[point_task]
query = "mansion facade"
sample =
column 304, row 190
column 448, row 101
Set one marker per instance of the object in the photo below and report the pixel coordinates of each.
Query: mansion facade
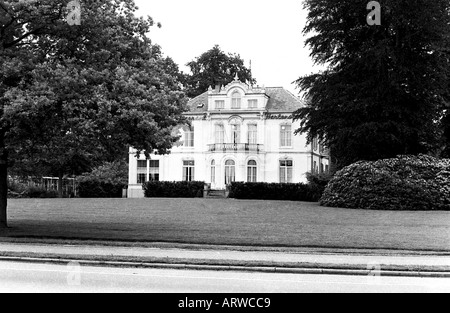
column 238, row 133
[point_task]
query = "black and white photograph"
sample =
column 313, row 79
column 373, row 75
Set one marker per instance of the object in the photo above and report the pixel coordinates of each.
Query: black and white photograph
column 224, row 155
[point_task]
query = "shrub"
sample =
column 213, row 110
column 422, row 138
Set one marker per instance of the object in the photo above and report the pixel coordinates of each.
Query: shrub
column 40, row 193
column 317, row 184
column 92, row 188
column 16, row 189
column 265, row 191
column 403, row 183
column 115, row 173
column 174, row 189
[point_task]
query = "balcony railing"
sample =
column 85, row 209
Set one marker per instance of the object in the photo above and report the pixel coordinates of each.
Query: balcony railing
column 235, row 147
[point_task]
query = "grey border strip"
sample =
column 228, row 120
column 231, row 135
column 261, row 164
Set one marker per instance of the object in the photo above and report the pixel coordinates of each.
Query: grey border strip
column 305, row 271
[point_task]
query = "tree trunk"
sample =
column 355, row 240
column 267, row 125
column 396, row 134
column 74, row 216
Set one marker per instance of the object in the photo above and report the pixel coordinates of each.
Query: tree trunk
column 60, row 185
column 3, row 182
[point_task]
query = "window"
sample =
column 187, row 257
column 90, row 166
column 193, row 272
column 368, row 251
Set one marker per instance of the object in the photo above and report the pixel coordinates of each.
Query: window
column 252, row 172
column 230, row 172
column 154, row 170
column 236, row 100
column 286, row 136
column 236, row 133
column 253, row 134
column 252, row 104
column 286, row 171
column 141, row 178
column 315, row 144
column 188, row 170
column 220, row 104
column 189, row 137
column 142, row 165
column 213, row 172
column 141, row 171
column 220, row 133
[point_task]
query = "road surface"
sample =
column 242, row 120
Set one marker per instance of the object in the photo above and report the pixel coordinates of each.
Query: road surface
column 43, row 278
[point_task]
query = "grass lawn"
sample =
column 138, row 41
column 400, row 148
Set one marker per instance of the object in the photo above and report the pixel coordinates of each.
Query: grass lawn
column 227, row 222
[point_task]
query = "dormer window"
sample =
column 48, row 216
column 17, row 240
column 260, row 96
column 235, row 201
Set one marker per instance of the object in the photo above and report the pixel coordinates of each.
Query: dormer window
column 236, row 100
column 220, row 104
column 252, row 104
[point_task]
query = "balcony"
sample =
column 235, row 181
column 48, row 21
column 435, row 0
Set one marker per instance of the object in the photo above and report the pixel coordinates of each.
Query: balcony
column 235, row 147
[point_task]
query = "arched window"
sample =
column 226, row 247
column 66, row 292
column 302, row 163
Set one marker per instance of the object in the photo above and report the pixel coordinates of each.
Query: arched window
column 252, row 172
column 213, row 172
column 236, row 100
column 230, row 172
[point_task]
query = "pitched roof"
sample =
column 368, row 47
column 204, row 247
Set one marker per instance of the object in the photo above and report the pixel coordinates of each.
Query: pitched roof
column 198, row 104
column 280, row 100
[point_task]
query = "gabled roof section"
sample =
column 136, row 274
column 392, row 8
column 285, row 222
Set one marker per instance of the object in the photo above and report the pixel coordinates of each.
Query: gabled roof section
column 198, row 104
column 282, row 100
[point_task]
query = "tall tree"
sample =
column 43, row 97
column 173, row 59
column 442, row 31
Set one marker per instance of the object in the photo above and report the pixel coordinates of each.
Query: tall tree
column 384, row 87
column 89, row 90
column 213, row 68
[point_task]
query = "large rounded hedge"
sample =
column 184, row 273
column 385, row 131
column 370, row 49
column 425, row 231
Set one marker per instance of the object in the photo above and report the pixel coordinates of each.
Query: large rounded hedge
column 404, row 183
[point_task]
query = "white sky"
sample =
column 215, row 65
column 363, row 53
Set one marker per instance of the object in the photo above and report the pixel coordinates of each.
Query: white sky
column 267, row 32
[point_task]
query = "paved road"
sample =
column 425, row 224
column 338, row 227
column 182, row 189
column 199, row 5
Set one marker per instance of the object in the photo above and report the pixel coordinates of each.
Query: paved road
column 24, row 277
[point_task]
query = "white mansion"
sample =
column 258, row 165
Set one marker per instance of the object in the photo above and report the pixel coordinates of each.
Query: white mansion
column 238, row 133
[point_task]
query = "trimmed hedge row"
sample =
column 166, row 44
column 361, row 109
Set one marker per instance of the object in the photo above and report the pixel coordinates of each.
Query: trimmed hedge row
column 99, row 189
column 403, row 183
column 174, row 189
column 264, row 191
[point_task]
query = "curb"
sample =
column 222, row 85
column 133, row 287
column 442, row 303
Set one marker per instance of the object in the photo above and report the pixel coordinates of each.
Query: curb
column 261, row 269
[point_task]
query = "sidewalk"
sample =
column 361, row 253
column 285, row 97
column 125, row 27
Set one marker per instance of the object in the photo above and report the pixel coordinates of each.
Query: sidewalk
column 314, row 261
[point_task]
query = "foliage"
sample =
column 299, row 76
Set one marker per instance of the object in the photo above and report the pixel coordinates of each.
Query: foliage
column 71, row 94
column 35, row 192
column 317, row 184
column 99, row 189
column 16, row 189
column 384, row 87
column 265, row 191
column 403, row 183
column 155, row 189
column 213, row 68
column 20, row 190
column 446, row 134
column 110, row 172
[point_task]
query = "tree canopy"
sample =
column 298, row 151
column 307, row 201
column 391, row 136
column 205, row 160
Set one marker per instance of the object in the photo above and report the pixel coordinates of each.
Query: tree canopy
column 384, row 89
column 86, row 92
column 213, row 68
